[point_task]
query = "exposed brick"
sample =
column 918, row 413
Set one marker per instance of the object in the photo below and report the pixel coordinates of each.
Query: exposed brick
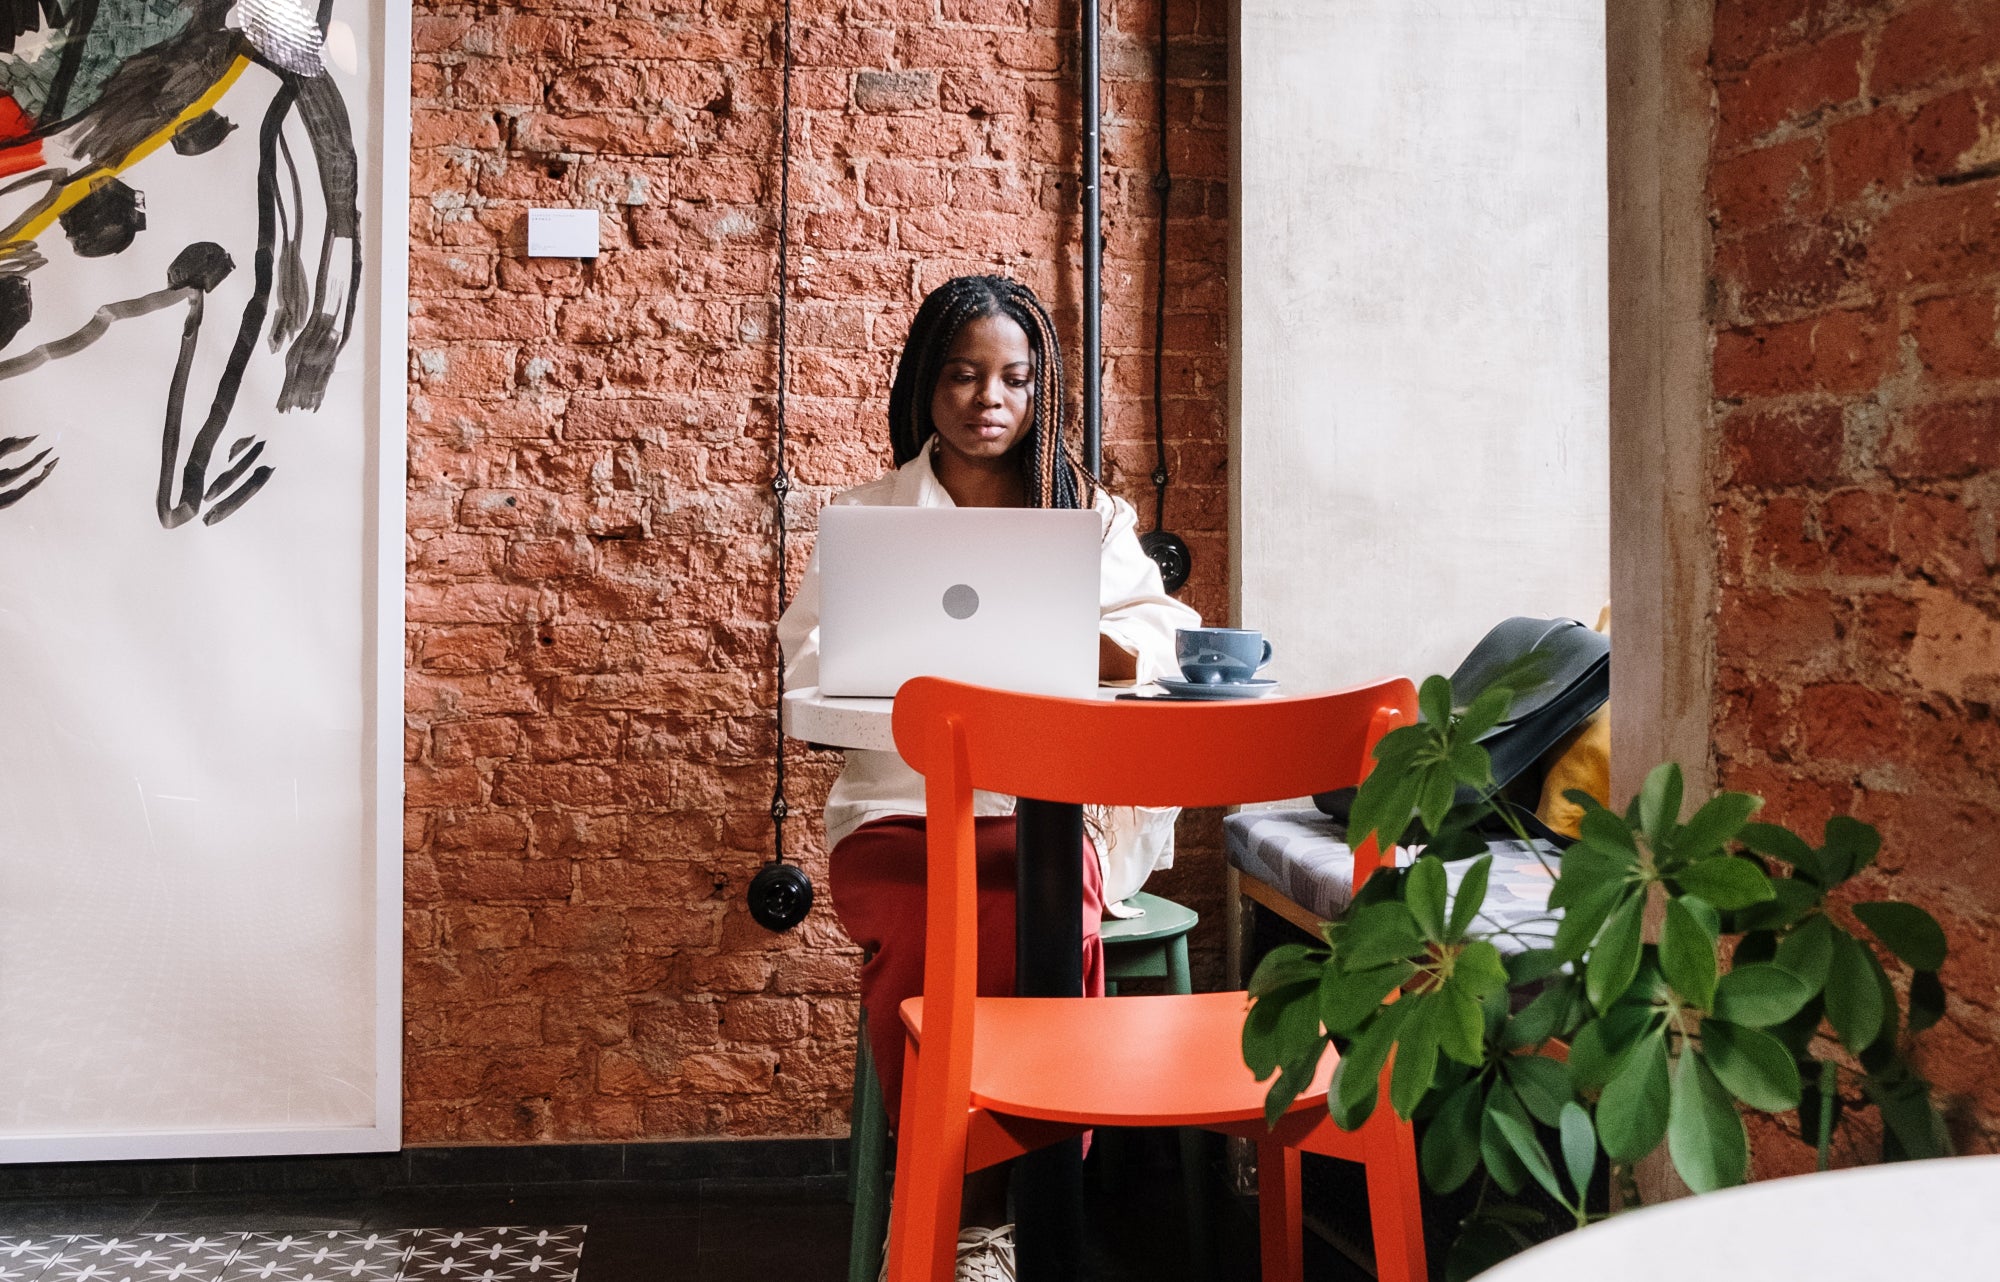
column 1750, row 190
column 1950, row 439
column 1956, row 336
column 1839, row 352
column 1947, row 133
column 1787, row 86
column 1782, row 447
column 1941, row 238
column 1925, row 43
column 1868, row 151
column 886, row 91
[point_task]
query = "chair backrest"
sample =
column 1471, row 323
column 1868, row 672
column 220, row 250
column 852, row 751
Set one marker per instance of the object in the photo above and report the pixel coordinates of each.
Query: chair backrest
column 1148, row 752
column 1112, row 752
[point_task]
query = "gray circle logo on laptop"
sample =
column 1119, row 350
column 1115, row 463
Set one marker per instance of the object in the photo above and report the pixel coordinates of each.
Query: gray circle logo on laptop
column 960, row 601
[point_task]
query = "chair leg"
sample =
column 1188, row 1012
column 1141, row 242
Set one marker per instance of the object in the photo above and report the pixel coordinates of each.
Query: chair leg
column 856, row 1103
column 1179, row 979
column 868, row 1151
column 930, row 1186
column 1194, row 1145
column 1280, row 1214
column 1395, row 1199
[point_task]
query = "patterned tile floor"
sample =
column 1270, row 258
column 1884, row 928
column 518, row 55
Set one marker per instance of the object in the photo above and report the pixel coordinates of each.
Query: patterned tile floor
column 502, row 1254
column 719, row 1231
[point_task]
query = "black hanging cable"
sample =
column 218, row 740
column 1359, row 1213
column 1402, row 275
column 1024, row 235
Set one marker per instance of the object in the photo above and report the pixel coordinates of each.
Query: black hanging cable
column 780, row 894
column 1168, row 551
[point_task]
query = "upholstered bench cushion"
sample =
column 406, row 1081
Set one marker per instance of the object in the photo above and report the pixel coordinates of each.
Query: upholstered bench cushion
column 1302, row 855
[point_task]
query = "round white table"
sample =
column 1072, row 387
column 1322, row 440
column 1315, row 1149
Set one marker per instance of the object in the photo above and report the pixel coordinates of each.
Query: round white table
column 1913, row 1220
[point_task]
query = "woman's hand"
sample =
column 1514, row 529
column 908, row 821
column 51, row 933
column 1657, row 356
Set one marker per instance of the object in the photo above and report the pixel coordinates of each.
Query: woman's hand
column 1114, row 662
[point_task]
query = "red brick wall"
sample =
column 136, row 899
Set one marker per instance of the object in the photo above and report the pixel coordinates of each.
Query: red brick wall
column 590, row 640
column 1855, row 187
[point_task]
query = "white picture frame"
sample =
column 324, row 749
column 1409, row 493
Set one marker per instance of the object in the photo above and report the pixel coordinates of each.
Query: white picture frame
column 379, row 348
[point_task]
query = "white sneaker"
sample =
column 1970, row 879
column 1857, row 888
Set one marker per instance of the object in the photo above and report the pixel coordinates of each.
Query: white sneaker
column 985, row 1255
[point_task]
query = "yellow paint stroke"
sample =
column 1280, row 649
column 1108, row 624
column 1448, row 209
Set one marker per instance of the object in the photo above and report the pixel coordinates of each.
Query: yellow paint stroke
column 81, row 187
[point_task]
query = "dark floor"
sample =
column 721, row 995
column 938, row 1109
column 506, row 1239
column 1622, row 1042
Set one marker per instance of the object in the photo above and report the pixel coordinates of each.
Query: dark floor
column 711, row 1231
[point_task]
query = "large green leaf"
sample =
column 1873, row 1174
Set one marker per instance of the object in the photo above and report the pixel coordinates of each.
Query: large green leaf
column 1485, row 712
column 1385, row 801
column 1355, row 1078
column 1849, row 846
column 1461, row 1024
column 1434, row 701
column 1853, row 994
column 1471, row 764
column 1478, row 969
column 1451, row 1140
column 1726, row 882
column 1754, row 1065
column 1905, row 930
column 1415, row 1068
column 1279, row 1027
column 1536, row 963
column 1586, row 870
column 1715, row 825
column 1807, row 951
column 1377, row 935
column 1783, row 844
column 1600, row 1045
column 1579, row 1146
column 1915, row 1125
column 1435, row 794
column 1792, row 898
column 1583, row 919
column 1494, row 1149
column 1424, row 896
column 1285, row 965
column 1759, row 995
column 1614, row 959
column 1542, row 1083
column 1632, row 1112
column 1705, row 1136
column 1348, row 997
column 1687, row 955
column 1660, row 804
column 1540, row 1018
column 1601, row 830
column 1527, row 1147
column 1470, row 899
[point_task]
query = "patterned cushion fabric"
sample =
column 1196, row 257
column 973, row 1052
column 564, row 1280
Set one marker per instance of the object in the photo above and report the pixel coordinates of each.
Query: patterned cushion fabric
column 1301, row 854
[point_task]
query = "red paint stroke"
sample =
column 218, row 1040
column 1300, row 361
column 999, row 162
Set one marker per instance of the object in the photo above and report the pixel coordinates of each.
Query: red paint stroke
column 20, row 150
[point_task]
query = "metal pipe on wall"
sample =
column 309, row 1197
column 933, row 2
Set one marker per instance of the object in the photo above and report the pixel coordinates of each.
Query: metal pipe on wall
column 1093, row 248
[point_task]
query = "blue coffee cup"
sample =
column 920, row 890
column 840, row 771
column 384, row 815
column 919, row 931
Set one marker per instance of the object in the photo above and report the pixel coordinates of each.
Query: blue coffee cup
column 1218, row 656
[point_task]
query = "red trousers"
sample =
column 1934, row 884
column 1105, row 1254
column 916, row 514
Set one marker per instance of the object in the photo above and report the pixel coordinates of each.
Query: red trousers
column 878, row 894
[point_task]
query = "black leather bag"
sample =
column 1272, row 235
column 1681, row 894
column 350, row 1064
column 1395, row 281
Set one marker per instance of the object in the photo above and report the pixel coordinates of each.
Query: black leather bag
column 1577, row 667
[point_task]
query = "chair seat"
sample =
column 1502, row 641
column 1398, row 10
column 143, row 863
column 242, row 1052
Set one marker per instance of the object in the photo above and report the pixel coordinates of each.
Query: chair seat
column 1131, row 1061
column 1163, row 919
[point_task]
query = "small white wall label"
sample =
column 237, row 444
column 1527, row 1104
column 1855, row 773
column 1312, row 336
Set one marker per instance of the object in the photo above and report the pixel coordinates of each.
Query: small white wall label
column 562, row 233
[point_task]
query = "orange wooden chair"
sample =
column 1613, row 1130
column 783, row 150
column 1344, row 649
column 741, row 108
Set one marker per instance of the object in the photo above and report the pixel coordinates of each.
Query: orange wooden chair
column 991, row 1078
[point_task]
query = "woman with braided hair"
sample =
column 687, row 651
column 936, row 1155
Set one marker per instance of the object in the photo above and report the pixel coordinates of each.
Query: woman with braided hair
column 976, row 420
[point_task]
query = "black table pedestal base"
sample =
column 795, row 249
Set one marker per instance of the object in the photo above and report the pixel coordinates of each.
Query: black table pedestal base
column 1048, row 962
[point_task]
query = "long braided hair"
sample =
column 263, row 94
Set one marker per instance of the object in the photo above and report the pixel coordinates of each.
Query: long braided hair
column 1055, row 477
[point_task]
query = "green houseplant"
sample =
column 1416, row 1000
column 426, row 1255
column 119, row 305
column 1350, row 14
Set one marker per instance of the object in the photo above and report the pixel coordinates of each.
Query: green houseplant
column 1555, row 1067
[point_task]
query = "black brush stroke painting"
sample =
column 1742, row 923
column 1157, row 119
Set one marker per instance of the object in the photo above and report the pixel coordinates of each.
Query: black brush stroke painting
column 90, row 89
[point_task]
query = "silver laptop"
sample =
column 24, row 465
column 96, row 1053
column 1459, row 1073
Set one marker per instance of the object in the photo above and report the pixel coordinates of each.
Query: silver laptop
column 1003, row 597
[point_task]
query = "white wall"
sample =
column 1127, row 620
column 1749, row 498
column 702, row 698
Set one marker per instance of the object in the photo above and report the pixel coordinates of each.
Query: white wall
column 1421, row 402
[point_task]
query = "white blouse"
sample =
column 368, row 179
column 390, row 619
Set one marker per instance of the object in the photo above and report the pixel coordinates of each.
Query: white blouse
column 1134, row 611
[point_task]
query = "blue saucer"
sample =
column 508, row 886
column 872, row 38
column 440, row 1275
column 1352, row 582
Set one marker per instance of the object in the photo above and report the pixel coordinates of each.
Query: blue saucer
column 1254, row 688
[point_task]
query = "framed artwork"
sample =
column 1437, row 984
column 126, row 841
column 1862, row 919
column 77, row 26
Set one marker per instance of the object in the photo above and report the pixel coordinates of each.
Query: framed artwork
column 203, row 293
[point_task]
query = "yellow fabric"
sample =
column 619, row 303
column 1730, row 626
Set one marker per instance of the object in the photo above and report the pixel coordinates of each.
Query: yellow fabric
column 1582, row 761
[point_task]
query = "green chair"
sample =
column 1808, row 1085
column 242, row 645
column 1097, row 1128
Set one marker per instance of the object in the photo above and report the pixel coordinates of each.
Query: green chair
column 1150, row 947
